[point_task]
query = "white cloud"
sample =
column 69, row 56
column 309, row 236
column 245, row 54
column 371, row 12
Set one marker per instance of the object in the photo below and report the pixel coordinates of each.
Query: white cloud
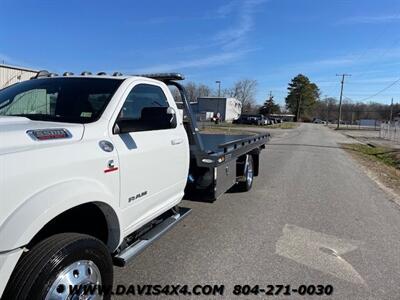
column 226, row 9
column 221, row 12
column 371, row 70
column 362, row 59
column 235, row 35
column 226, row 46
column 371, row 19
column 207, row 61
column 338, row 61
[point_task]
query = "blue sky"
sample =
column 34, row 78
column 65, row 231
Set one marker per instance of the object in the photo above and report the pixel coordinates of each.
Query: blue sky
column 267, row 40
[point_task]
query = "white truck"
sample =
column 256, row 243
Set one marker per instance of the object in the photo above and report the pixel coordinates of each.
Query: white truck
column 92, row 168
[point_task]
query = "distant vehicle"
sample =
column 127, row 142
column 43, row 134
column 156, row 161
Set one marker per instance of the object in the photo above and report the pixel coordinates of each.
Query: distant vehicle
column 276, row 120
column 318, row 121
column 252, row 120
column 262, row 120
column 244, row 119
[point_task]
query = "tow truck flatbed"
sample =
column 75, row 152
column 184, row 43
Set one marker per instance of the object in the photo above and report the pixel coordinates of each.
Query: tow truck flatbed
column 217, row 161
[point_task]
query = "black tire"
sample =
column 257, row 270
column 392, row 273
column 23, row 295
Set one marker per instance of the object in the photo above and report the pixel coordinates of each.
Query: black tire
column 245, row 186
column 38, row 269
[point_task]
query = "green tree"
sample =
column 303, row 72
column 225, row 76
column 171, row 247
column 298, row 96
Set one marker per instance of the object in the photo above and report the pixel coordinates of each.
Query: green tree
column 301, row 98
column 269, row 107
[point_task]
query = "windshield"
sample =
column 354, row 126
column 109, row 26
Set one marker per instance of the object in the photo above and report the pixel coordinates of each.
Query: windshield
column 73, row 100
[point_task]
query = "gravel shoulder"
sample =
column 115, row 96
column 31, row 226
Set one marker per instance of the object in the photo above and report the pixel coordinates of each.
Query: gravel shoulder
column 379, row 158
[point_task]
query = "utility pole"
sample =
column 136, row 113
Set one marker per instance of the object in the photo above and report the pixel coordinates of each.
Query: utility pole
column 391, row 112
column 340, row 99
column 327, row 109
column 219, row 87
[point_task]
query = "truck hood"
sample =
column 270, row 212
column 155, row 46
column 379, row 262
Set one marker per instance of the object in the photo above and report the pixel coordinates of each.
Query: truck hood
column 14, row 135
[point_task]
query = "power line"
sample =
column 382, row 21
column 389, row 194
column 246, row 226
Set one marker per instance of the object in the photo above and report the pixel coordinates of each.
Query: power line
column 381, row 91
column 364, row 52
column 374, row 42
column 381, row 54
column 329, row 89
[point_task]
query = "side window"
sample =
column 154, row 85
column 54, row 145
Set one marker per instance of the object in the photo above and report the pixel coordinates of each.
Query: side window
column 145, row 108
column 36, row 101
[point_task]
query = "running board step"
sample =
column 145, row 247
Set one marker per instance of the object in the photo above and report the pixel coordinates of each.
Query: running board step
column 126, row 255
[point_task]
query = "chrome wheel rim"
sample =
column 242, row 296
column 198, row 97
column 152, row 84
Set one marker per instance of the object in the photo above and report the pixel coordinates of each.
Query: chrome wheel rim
column 83, row 273
column 249, row 175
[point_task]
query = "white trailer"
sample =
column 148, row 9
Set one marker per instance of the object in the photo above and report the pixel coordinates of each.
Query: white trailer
column 228, row 108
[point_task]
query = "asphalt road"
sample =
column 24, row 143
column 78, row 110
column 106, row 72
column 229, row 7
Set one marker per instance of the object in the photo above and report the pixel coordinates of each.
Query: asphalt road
column 312, row 217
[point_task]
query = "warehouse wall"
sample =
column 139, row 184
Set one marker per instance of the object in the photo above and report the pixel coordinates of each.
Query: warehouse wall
column 9, row 76
column 214, row 104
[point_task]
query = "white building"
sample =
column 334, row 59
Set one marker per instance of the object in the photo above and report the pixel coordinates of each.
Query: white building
column 13, row 74
column 228, row 108
column 369, row 122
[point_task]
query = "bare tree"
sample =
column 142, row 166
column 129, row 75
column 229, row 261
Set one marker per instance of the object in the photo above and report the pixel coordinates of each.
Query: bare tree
column 203, row 90
column 244, row 90
column 195, row 91
column 175, row 93
column 191, row 91
column 227, row 92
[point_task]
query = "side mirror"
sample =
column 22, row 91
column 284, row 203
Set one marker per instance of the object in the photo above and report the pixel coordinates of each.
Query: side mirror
column 173, row 121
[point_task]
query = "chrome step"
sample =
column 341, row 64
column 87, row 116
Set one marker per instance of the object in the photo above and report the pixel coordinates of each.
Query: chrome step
column 126, row 255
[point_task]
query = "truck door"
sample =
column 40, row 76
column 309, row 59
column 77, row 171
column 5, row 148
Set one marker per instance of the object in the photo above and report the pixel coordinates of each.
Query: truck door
column 153, row 153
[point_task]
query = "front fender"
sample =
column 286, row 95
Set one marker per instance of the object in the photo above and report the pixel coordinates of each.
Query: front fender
column 26, row 221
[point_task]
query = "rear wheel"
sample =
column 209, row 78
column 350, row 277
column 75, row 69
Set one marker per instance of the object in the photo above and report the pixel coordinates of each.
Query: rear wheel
column 248, row 175
column 55, row 265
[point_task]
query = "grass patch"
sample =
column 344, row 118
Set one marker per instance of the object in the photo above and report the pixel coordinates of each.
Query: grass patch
column 355, row 128
column 389, row 157
column 285, row 125
column 383, row 163
column 229, row 125
column 225, row 130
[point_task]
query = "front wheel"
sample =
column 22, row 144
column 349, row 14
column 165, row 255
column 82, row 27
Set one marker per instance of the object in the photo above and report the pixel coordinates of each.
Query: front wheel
column 63, row 266
column 247, row 183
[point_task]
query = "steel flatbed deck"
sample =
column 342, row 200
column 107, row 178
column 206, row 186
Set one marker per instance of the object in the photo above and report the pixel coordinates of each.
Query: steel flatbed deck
column 215, row 159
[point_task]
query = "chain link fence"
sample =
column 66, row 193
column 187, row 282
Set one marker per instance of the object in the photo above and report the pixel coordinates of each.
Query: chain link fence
column 390, row 131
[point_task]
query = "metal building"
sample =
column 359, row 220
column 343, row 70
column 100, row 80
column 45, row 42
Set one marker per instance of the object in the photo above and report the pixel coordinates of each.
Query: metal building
column 13, row 74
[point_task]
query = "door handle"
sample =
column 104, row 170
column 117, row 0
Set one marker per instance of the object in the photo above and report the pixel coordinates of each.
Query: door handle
column 176, row 141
